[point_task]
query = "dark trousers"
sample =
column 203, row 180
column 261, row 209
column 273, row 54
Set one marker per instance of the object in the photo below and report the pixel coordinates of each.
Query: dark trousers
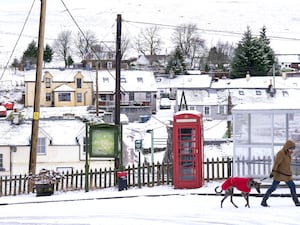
column 289, row 183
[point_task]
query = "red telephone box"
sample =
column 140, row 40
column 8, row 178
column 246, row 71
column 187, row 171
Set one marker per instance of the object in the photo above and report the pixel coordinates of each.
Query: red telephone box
column 188, row 149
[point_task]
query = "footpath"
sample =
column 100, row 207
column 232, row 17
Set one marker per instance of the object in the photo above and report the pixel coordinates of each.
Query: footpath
column 113, row 193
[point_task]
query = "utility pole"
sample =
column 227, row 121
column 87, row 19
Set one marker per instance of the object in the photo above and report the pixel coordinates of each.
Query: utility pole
column 37, row 93
column 118, row 160
column 229, row 116
column 97, row 90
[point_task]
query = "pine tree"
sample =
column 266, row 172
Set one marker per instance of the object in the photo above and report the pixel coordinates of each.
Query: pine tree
column 30, row 54
column 176, row 63
column 253, row 55
column 48, row 54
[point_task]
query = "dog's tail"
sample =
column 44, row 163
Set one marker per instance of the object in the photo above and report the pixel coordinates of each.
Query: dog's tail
column 216, row 190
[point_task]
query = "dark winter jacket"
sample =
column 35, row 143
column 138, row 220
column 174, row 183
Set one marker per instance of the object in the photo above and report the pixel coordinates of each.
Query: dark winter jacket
column 282, row 165
column 240, row 183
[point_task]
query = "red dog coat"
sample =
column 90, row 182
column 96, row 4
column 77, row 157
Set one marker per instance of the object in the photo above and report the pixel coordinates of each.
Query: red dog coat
column 240, row 183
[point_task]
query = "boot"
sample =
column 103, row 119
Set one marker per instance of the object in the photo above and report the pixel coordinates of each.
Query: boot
column 295, row 199
column 264, row 202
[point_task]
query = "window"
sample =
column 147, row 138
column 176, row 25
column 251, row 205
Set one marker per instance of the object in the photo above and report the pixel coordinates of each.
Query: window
column 79, row 97
column 148, row 95
column 131, row 96
column 139, row 79
column 221, row 109
column 48, row 97
column 64, row 97
column 48, row 82
column 41, row 148
column 109, row 65
column 206, row 110
column 78, row 82
column 123, row 80
column 105, row 80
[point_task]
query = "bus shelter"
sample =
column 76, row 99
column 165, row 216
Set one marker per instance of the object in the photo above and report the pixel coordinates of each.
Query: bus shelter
column 259, row 132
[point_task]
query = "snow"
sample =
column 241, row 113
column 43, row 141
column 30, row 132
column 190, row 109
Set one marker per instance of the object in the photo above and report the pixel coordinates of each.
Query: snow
column 161, row 204
column 149, row 205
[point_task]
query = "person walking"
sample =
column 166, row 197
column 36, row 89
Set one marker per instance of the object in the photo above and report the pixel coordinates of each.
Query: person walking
column 281, row 171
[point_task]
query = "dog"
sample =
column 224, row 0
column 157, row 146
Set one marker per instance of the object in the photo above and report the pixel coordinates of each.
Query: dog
column 243, row 184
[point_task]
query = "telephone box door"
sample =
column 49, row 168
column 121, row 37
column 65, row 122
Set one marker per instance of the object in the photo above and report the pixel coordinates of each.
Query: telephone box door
column 187, row 151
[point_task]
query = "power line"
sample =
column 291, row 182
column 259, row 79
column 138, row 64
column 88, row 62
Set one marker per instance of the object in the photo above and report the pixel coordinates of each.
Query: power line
column 14, row 48
column 230, row 33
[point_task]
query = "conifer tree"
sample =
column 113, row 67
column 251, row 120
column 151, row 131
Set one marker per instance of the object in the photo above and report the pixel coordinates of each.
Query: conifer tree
column 253, row 55
column 176, row 63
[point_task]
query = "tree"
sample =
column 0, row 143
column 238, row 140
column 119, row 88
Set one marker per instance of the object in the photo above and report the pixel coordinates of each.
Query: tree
column 48, row 54
column 85, row 44
column 148, row 41
column 187, row 38
column 62, row 45
column 15, row 64
column 30, row 54
column 176, row 63
column 70, row 61
column 253, row 55
column 220, row 55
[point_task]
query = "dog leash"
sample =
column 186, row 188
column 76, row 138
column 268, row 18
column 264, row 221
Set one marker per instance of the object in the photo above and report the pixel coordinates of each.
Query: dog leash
column 263, row 179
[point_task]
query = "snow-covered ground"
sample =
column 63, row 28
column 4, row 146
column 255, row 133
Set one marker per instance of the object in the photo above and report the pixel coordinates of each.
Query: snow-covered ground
column 160, row 205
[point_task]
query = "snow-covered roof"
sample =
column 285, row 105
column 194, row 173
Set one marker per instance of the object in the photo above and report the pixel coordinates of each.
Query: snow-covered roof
column 257, row 82
column 184, row 81
column 266, row 107
column 61, row 132
column 130, row 81
column 60, row 75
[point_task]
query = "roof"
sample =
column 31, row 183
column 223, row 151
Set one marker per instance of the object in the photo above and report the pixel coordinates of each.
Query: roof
column 136, row 81
column 257, row 82
column 60, row 75
column 184, row 81
column 61, row 132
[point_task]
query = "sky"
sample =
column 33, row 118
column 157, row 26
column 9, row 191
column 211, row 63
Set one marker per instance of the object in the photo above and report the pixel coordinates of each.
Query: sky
column 224, row 20
column 160, row 205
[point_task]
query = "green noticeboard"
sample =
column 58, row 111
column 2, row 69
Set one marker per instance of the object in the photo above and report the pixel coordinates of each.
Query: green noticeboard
column 103, row 140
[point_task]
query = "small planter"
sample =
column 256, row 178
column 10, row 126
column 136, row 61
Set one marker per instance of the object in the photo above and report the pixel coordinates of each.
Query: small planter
column 44, row 189
column 44, row 181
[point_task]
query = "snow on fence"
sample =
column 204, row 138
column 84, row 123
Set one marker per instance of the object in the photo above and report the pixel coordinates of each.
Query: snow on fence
column 148, row 175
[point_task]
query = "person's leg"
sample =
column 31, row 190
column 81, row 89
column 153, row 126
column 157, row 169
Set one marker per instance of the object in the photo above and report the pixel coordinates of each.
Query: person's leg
column 269, row 192
column 292, row 188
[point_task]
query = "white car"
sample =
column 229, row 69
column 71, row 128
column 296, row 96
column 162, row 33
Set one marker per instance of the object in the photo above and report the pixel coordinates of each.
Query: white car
column 165, row 103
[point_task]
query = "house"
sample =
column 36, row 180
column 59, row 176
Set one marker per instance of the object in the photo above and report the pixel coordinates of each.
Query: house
column 211, row 96
column 138, row 92
column 60, row 88
column 60, row 146
column 156, row 63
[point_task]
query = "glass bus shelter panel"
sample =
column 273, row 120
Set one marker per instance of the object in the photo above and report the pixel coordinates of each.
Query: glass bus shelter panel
column 280, row 128
column 253, row 161
column 241, row 128
column 294, row 126
column 261, row 128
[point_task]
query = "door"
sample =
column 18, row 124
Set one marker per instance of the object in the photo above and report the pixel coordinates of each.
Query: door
column 187, row 158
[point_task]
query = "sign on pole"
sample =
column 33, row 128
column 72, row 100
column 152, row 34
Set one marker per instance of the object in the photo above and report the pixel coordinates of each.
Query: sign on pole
column 138, row 144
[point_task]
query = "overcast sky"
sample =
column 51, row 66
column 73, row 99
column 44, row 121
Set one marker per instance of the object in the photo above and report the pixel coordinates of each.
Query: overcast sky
column 224, row 20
